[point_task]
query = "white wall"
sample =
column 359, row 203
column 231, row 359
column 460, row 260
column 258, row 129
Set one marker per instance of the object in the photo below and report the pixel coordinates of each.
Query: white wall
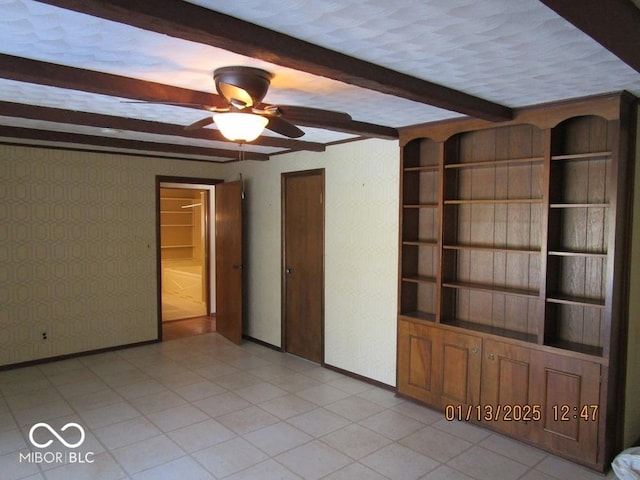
column 361, row 252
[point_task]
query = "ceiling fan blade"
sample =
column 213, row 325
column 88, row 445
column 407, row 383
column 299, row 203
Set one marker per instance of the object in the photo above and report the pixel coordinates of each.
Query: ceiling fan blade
column 306, row 114
column 199, row 124
column 283, row 127
column 210, row 108
column 177, row 104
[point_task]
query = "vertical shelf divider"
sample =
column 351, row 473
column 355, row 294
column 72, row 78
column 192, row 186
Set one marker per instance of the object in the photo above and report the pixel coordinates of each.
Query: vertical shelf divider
column 544, row 244
column 441, row 164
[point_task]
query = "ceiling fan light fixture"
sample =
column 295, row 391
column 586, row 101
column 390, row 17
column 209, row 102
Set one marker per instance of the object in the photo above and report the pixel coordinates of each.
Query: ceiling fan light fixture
column 240, row 127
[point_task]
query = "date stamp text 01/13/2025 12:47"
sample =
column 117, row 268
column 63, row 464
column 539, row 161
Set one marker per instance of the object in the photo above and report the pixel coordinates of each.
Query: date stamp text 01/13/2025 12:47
column 519, row 413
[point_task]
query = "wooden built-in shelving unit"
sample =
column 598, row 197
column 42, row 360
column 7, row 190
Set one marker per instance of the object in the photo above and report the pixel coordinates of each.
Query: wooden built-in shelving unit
column 513, row 267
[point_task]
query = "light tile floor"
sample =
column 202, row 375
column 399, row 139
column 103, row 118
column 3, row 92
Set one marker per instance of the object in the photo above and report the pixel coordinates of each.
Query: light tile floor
column 203, row 408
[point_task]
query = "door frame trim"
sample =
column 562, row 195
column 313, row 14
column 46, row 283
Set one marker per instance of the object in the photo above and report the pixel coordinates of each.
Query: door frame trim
column 160, row 179
column 283, row 325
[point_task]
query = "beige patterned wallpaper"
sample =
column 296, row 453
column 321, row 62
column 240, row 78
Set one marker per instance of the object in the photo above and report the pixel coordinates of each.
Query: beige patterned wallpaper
column 78, row 249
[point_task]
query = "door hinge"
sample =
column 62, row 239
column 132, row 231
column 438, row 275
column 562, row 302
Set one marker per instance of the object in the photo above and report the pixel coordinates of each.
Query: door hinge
column 320, row 198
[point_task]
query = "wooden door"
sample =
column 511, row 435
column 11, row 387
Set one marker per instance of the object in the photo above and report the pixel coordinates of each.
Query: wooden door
column 439, row 367
column 568, row 389
column 416, row 351
column 458, row 363
column 507, row 389
column 303, row 264
column 229, row 260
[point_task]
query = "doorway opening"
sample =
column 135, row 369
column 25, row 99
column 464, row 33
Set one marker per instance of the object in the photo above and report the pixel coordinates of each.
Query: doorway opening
column 183, row 246
column 186, row 258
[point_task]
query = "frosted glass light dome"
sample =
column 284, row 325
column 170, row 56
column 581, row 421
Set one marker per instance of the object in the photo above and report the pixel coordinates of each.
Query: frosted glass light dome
column 240, row 127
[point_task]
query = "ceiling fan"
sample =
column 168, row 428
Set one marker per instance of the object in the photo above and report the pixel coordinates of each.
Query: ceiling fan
column 243, row 89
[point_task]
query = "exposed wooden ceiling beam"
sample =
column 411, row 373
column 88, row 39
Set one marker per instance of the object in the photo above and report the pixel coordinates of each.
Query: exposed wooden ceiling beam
column 53, row 138
column 191, row 22
column 353, row 127
column 51, row 74
column 49, row 114
column 54, row 75
column 615, row 24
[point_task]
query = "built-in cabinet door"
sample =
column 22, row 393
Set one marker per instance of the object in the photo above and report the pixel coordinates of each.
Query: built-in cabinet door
column 507, row 389
column 569, row 391
column 560, row 395
column 415, row 361
column 439, row 367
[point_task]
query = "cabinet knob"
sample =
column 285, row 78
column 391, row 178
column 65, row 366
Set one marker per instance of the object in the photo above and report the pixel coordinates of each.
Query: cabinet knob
column 491, row 356
column 474, row 350
column 287, row 271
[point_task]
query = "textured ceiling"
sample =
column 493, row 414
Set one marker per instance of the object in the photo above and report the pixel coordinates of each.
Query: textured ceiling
column 515, row 52
column 511, row 52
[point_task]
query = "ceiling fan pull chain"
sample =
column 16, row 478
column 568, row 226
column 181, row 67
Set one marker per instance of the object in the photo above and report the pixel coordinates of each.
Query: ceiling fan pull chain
column 241, row 156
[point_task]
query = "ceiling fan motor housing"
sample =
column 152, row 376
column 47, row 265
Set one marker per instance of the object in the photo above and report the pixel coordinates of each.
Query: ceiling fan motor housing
column 246, row 85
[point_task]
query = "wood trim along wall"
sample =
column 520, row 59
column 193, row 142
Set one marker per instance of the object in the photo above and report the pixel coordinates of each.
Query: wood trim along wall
column 57, row 358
